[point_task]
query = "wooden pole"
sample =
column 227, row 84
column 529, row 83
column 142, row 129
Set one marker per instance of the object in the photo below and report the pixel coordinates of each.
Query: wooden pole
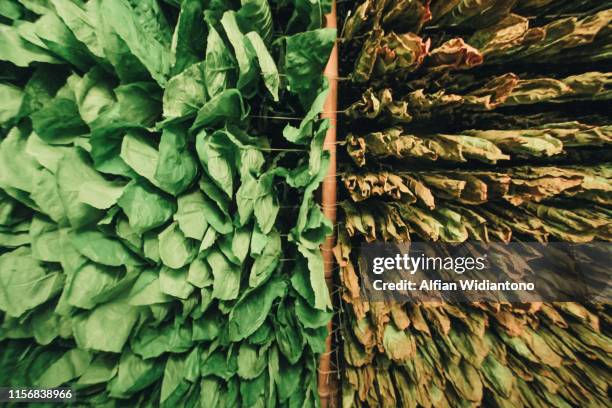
column 328, row 382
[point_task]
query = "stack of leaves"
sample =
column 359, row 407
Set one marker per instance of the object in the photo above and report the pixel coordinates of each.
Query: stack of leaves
column 485, row 121
column 159, row 239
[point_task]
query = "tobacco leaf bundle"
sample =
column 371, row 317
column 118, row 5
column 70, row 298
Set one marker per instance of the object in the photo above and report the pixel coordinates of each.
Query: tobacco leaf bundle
column 144, row 216
column 498, row 132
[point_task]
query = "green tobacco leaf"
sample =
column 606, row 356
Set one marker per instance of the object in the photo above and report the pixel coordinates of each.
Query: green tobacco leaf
column 191, row 215
column 101, row 370
column 309, row 317
column 176, row 167
column 136, row 31
column 305, row 132
column 218, row 64
column 11, row 10
column 175, row 250
column 102, row 249
column 322, row 300
column 100, row 194
column 214, row 193
column 19, row 51
column 145, row 207
column 244, row 55
column 25, row 283
column 200, row 273
column 188, row 40
column 173, row 376
column 228, row 106
column 241, row 241
column 266, row 205
column 154, row 341
column 220, row 365
column 267, row 262
column 147, row 290
column 134, row 374
column 185, row 93
column 45, row 240
column 138, row 153
column 309, row 14
column 174, row 282
column 46, row 155
column 266, row 64
column 55, row 36
column 80, row 23
column 253, row 308
column 147, row 219
column 59, row 122
column 289, row 337
column 72, row 171
column 71, row 365
column 251, row 361
column 125, row 64
column 14, row 99
column 93, row 284
column 137, row 107
column 247, row 194
column 288, row 380
column 226, row 276
column 17, row 168
column 94, row 93
column 91, row 328
column 255, row 15
column 305, row 58
column 217, row 157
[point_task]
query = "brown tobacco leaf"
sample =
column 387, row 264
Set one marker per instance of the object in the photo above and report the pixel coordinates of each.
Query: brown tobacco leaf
column 350, row 281
column 591, row 85
column 403, row 15
column 582, row 224
column 400, row 54
column 421, row 191
column 394, row 143
column 380, row 105
column 512, row 37
column 463, row 148
column 355, row 354
column 398, row 344
column 407, row 15
column 358, row 20
column 479, row 228
column 576, row 134
column 494, row 93
column 472, row 13
column 487, row 146
column 534, row 143
column 532, row 5
column 454, row 54
column 504, row 90
column 480, row 354
column 363, row 186
column 420, row 105
column 516, row 219
column 511, row 32
column 506, row 352
column 391, row 54
column 468, row 190
column 389, row 143
column 364, row 66
column 399, row 316
column 393, row 227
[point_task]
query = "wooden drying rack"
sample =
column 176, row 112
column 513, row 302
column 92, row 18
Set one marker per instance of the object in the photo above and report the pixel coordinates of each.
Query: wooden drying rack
column 328, row 381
